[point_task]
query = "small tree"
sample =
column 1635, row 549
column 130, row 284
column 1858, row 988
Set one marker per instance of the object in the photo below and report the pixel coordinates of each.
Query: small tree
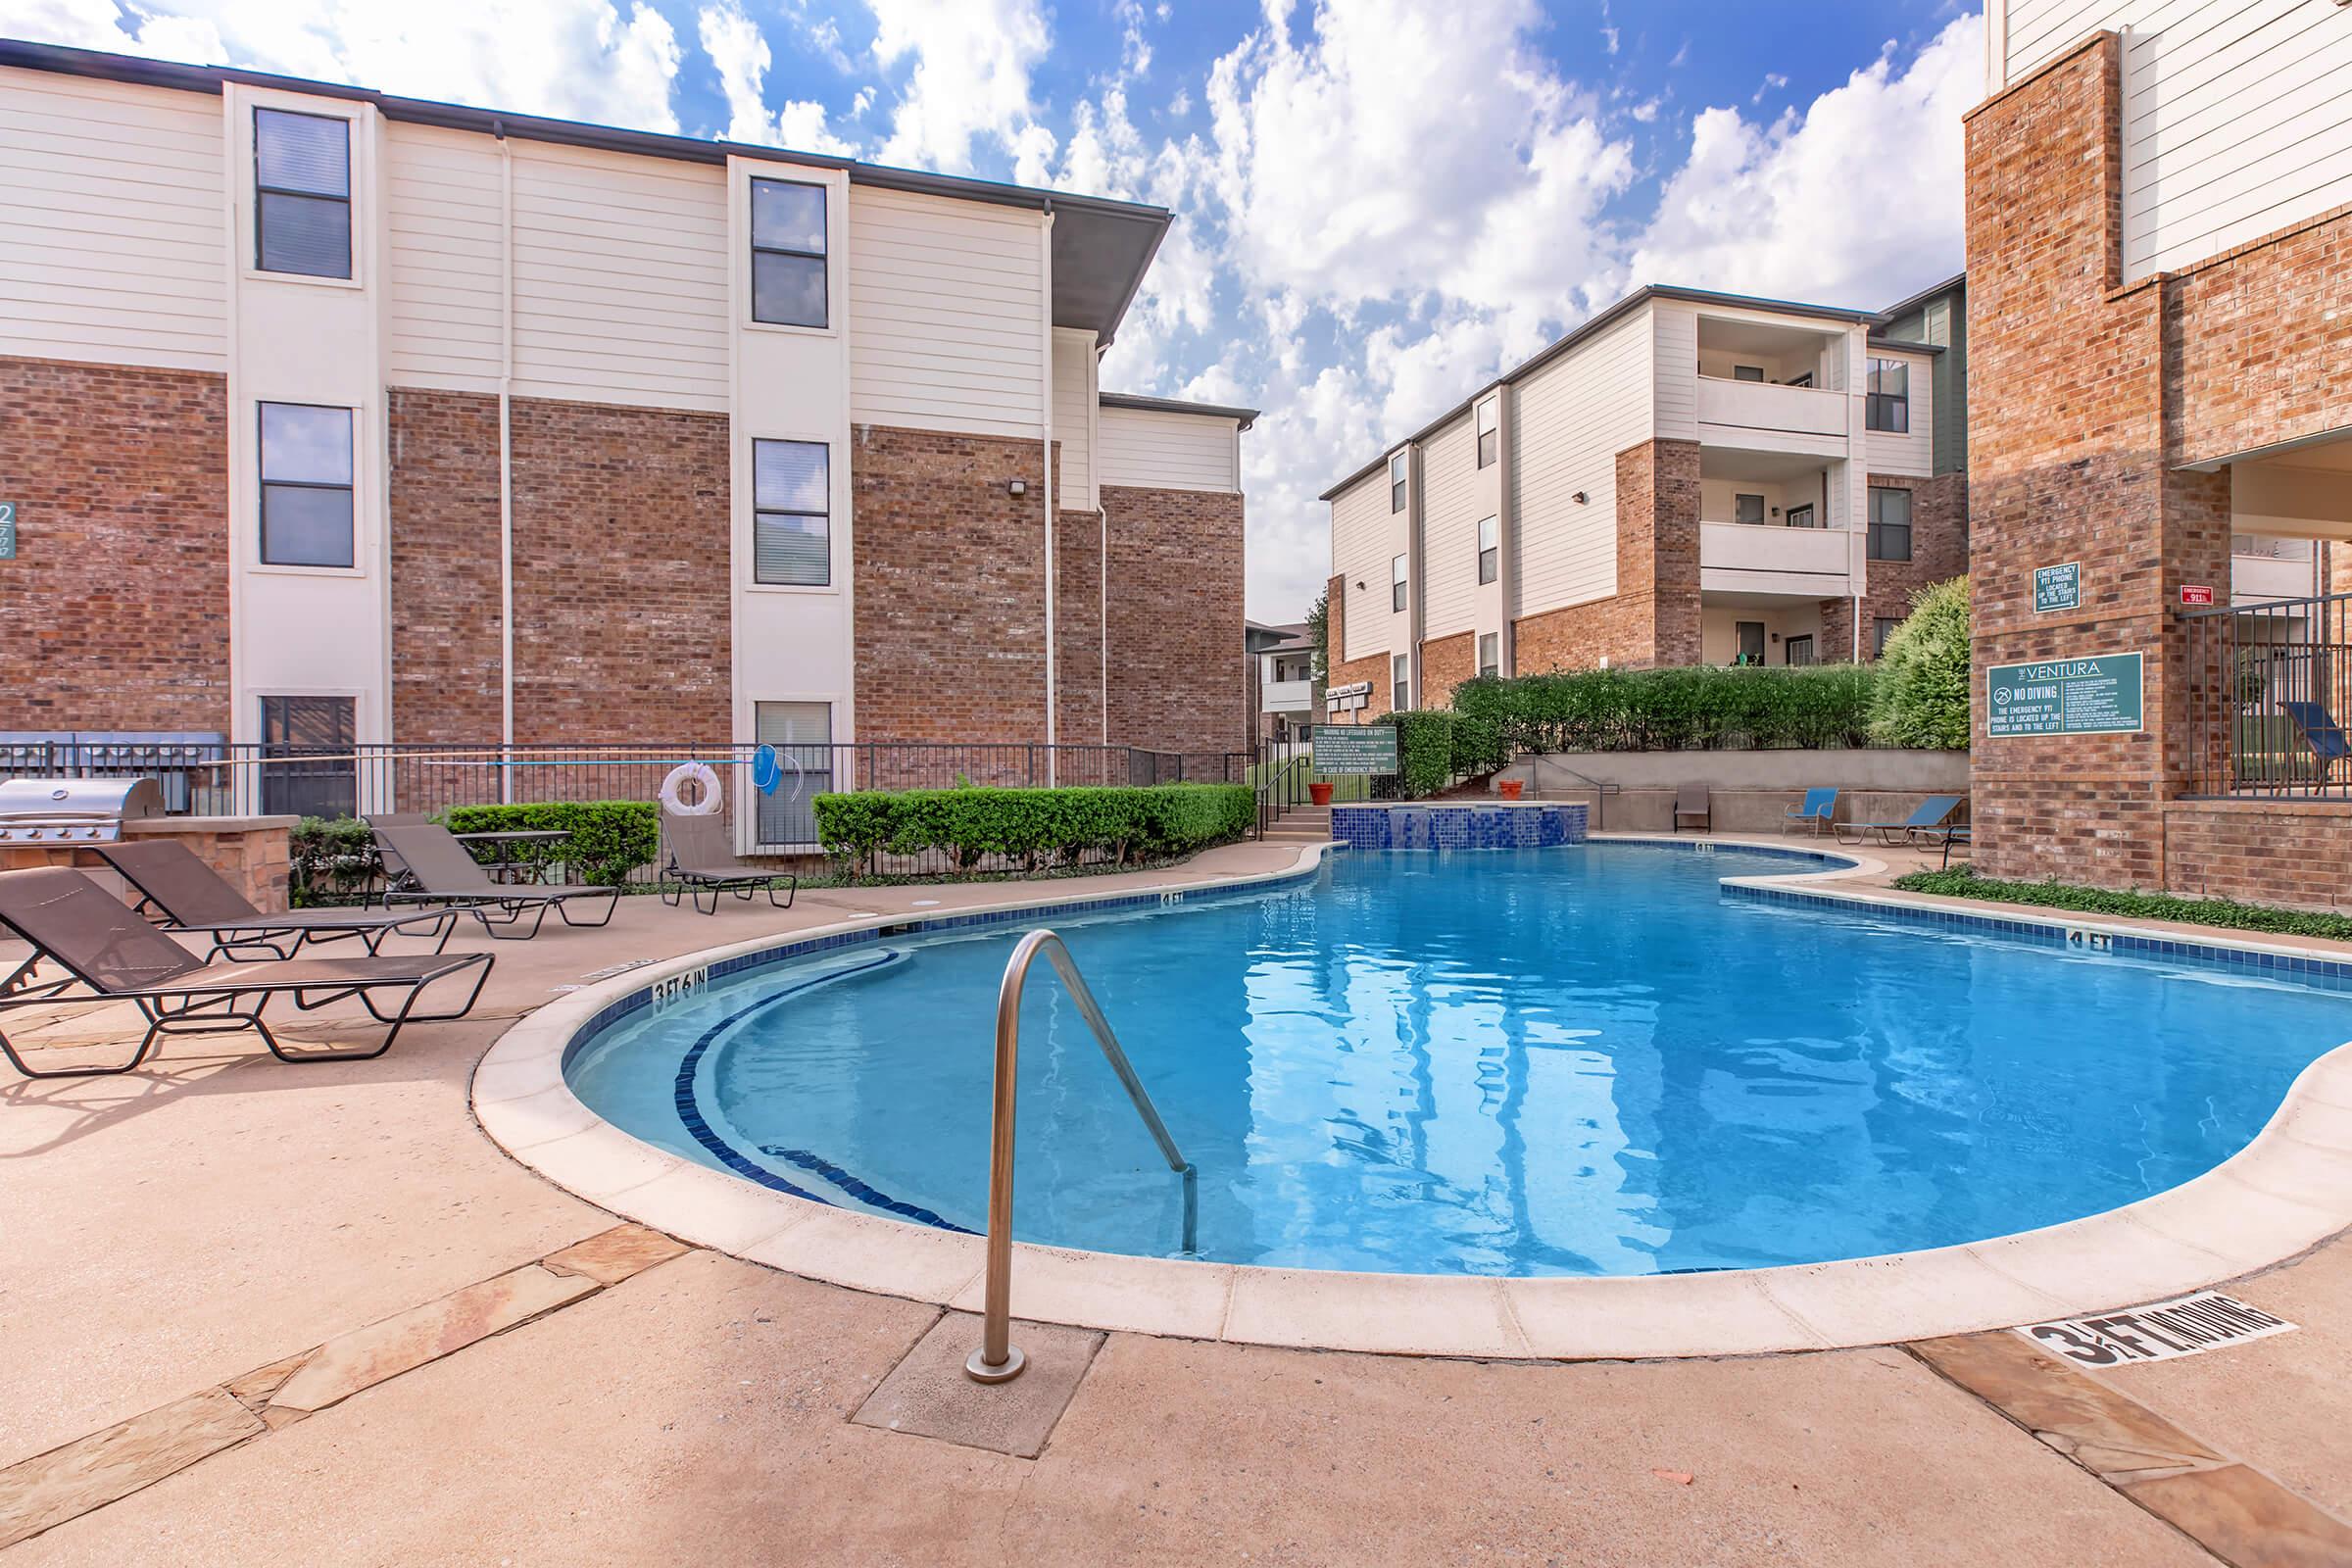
column 1318, row 635
column 1921, row 699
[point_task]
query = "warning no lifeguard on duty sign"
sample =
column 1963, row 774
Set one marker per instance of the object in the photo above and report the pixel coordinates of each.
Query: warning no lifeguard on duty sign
column 2186, row 1326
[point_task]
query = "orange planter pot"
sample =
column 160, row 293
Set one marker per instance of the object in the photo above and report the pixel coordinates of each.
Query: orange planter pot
column 1510, row 788
column 1320, row 794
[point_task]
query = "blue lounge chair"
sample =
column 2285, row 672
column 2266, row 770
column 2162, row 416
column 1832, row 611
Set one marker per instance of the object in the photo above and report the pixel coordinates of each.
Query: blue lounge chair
column 1931, row 818
column 1819, row 811
column 2321, row 732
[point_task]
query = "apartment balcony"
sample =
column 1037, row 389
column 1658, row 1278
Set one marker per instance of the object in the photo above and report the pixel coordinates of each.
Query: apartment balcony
column 1288, row 696
column 1769, row 417
column 2263, row 568
column 1776, row 562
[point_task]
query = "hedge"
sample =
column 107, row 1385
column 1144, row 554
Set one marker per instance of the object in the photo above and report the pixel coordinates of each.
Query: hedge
column 1962, row 882
column 1698, row 708
column 608, row 839
column 1118, row 824
column 1922, row 694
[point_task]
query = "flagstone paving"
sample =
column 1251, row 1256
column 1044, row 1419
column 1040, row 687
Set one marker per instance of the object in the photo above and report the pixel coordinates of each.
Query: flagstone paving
column 257, row 1314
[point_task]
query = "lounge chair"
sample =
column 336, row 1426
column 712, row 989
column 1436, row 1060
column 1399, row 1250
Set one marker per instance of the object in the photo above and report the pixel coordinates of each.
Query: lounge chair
column 700, row 861
column 442, row 872
column 1952, row 836
column 1929, row 818
column 180, row 893
column 2321, row 732
column 1691, row 799
column 1818, row 810
column 109, row 954
column 396, row 872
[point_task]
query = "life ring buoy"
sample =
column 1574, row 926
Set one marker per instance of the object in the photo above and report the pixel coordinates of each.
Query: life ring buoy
column 684, row 773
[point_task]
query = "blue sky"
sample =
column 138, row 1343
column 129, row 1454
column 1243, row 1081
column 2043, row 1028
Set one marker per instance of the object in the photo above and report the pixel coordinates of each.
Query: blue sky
column 1379, row 202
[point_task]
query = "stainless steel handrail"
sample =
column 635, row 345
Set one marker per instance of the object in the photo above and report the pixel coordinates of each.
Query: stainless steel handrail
column 996, row 1361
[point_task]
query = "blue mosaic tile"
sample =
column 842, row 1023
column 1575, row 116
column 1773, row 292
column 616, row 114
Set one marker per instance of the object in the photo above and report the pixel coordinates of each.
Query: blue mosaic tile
column 1406, row 826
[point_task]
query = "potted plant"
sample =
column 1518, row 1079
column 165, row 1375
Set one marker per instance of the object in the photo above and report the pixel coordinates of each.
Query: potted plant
column 1510, row 788
column 1318, row 790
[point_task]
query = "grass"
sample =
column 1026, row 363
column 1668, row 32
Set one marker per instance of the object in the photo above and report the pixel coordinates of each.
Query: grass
column 1962, row 882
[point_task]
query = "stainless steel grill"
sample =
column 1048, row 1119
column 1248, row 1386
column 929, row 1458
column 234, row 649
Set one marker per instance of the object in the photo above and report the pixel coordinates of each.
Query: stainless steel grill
column 74, row 810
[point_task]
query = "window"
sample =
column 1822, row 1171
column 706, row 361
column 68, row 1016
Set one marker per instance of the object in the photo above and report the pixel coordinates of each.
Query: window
column 1801, row 378
column 792, row 533
column 1397, row 584
column 803, row 735
column 317, row 734
column 1752, row 641
column 1889, row 525
column 1400, row 683
column 1490, row 557
column 1887, row 405
column 1747, row 373
column 1490, row 433
column 787, row 253
column 1801, row 516
column 302, row 193
column 1396, row 467
column 1881, row 627
column 1747, row 508
column 1801, row 650
column 1490, row 653
column 305, row 485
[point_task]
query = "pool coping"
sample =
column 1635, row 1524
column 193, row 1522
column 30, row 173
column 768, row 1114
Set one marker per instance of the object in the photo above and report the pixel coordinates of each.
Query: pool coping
column 2289, row 1188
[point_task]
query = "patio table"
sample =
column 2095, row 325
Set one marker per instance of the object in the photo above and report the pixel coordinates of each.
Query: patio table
column 502, row 866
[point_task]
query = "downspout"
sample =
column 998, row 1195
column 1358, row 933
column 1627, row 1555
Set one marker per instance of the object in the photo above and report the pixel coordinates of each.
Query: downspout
column 1094, row 472
column 1045, row 269
column 506, row 464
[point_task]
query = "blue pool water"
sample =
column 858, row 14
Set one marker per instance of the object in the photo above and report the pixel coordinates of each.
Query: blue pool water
column 1580, row 1060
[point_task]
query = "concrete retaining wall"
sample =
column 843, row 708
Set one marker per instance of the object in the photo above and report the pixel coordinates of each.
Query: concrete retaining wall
column 1749, row 792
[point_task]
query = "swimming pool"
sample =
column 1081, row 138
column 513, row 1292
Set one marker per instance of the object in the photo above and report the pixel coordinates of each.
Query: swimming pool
column 1580, row 1060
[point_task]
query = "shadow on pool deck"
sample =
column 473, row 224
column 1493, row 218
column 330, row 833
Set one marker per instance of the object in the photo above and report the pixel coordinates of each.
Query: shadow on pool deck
column 174, row 1231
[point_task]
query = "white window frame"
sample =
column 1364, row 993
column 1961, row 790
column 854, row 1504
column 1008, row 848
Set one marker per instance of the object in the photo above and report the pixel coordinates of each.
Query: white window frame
column 1490, row 548
column 1399, row 467
column 1490, row 653
column 1400, row 583
column 1489, row 428
column 1400, row 683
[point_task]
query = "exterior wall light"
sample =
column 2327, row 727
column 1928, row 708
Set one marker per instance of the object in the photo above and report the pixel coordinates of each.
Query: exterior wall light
column 1577, row 498
column 1018, row 487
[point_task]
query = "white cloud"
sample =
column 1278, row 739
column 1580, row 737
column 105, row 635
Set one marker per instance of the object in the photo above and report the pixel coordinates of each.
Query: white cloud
column 972, row 61
column 1818, row 205
column 739, row 50
column 573, row 59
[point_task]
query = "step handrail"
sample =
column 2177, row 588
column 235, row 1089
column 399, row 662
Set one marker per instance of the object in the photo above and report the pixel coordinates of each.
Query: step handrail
column 997, row 1361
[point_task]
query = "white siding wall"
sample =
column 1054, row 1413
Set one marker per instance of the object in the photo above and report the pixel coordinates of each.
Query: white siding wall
column 1359, row 553
column 1450, row 515
column 2236, row 121
column 946, row 315
column 442, row 196
column 1073, row 418
column 113, row 210
column 1167, row 450
column 621, row 278
column 1914, row 452
column 1575, row 415
column 1674, row 336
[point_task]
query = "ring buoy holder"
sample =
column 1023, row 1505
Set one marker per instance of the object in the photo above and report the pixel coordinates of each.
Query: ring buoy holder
column 697, row 773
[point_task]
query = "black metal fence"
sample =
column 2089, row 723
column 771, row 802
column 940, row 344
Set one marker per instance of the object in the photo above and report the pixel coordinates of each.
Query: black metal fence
column 2270, row 687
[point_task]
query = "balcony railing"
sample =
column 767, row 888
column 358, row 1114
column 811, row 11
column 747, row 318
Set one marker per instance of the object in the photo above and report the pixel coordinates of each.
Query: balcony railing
column 1289, row 696
column 2270, row 686
column 1767, row 406
column 1765, row 547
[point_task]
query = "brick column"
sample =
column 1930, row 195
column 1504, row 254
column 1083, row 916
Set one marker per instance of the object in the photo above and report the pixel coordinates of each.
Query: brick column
column 1657, row 549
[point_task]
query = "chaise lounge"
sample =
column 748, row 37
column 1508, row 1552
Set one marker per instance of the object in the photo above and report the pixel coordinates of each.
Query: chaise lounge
column 109, row 954
column 700, row 861
column 1929, row 818
column 440, row 872
column 181, row 893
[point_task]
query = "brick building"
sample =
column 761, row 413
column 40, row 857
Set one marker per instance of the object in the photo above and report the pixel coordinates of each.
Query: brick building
column 2161, row 397
column 341, row 417
column 1687, row 477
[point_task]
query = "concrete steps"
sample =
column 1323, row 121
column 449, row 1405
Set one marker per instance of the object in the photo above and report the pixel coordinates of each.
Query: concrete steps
column 1301, row 824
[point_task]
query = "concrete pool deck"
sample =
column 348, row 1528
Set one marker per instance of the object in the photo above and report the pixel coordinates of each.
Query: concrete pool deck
column 173, row 1239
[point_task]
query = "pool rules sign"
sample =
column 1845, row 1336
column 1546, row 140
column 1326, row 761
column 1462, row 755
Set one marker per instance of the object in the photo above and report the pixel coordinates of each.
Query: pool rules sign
column 2098, row 696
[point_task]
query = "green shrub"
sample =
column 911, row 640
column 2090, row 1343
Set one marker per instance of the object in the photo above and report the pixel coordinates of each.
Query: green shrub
column 608, row 839
column 1962, row 882
column 1698, row 707
column 1424, row 752
column 328, row 860
column 1032, row 827
column 1922, row 697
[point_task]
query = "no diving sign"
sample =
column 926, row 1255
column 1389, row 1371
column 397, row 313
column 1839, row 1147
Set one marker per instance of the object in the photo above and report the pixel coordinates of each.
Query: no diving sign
column 2186, row 1326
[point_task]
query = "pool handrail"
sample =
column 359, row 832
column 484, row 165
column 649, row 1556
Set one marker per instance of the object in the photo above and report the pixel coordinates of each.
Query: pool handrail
column 996, row 1361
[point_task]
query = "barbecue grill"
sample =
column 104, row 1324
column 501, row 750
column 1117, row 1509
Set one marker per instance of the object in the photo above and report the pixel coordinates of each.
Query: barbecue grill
column 74, row 810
